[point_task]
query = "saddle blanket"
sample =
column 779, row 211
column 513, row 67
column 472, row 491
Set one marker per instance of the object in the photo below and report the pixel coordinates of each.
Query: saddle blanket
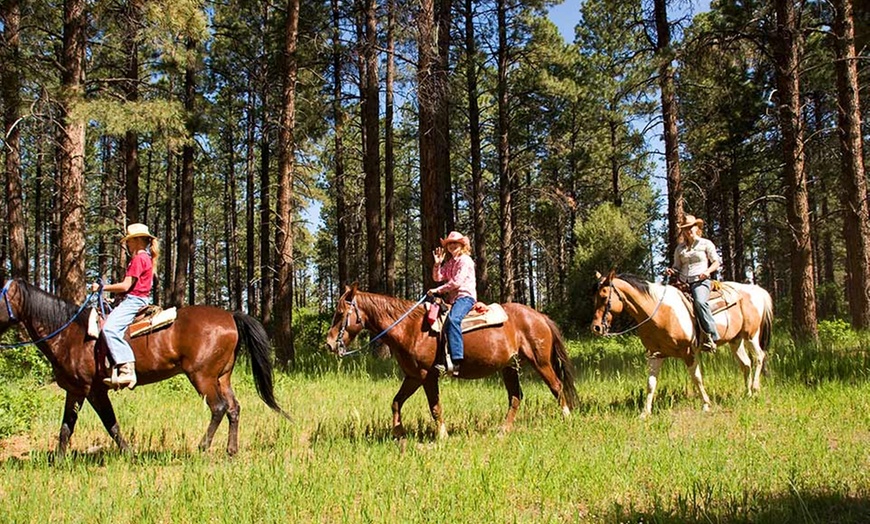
column 142, row 325
column 494, row 315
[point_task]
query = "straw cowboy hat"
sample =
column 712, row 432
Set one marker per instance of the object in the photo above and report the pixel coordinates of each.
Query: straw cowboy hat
column 455, row 236
column 689, row 221
column 136, row 230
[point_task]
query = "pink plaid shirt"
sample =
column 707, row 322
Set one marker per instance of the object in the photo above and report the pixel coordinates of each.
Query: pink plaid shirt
column 459, row 276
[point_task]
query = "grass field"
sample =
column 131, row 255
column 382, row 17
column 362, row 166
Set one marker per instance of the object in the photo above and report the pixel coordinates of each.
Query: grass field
column 797, row 453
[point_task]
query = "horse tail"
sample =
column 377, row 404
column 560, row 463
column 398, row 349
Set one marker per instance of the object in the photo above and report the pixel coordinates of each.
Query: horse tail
column 562, row 365
column 253, row 335
column 766, row 333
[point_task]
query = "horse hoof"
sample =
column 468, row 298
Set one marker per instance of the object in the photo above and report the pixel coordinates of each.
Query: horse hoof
column 644, row 415
column 566, row 411
column 706, row 408
column 442, row 432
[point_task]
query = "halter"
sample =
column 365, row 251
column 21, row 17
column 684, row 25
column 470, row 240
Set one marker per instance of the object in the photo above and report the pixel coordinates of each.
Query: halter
column 342, row 347
column 607, row 310
column 5, row 296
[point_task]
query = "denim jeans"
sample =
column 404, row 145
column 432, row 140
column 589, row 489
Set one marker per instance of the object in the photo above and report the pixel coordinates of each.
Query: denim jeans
column 700, row 295
column 453, row 326
column 116, row 326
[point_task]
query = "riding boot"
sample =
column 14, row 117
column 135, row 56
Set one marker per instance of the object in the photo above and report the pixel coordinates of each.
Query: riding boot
column 127, row 375
column 709, row 344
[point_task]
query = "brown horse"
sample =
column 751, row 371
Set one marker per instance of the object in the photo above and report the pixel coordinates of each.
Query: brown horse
column 666, row 326
column 203, row 343
column 527, row 335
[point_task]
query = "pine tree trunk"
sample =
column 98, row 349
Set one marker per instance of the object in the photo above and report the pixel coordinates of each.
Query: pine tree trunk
column 853, row 181
column 10, row 83
column 787, row 51
column 442, row 111
column 481, row 257
column 372, row 153
column 168, row 255
column 71, row 194
column 505, row 176
column 130, row 143
column 339, row 117
column 250, row 237
column 669, row 122
column 389, row 158
column 286, row 171
column 431, row 212
column 184, row 267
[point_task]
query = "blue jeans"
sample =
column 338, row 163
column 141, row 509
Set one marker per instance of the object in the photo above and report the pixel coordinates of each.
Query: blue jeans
column 453, row 326
column 116, row 326
column 700, row 295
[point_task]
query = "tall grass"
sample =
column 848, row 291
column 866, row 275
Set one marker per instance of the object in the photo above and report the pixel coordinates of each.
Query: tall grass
column 797, row 453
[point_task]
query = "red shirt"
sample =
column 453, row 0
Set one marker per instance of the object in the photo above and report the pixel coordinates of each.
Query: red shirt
column 142, row 270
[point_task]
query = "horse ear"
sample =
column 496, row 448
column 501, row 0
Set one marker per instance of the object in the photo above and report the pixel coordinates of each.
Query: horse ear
column 598, row 275
column 612, row 274
column 351, row 291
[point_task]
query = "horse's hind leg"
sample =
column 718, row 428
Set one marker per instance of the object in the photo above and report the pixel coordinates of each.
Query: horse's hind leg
column 70, row 417
column 409, row 387
column 99, row 400
column 739, row 349
column 217, row 403
column 511, row 377
column 233, row 411
column 760, row 356
column 549, row 375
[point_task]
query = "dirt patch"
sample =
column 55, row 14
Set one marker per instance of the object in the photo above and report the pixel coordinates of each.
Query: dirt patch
column 16, row 446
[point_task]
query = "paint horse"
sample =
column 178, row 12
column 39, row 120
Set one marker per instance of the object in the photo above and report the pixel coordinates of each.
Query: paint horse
column 527, row 335
column 203, row 343
column 665, row 324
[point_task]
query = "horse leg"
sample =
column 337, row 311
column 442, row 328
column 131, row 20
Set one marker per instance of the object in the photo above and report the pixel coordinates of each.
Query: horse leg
column 409, row 387
column 511, row 377
column 217, row 403
column 760, row 356
column 70, row 417
column 655, row 365
column 739, row 350
column 233, row 411
column 549, row 375
column 433, row 395
column 99, row 400
column 694, row 365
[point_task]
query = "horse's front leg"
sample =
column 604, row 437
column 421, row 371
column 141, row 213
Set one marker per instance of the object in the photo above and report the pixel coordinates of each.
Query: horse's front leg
column 68, row 425
column 655, row 365
column 409, row 386
column 694, row 365
column 99, row 400
column 433, row 395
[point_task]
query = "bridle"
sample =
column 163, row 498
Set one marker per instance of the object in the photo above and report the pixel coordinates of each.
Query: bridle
column 607, row 307
column 5, row 295
column 351, row 305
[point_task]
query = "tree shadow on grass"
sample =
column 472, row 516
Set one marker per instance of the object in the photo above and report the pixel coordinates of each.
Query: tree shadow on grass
column 98, row 456
column 800, row 506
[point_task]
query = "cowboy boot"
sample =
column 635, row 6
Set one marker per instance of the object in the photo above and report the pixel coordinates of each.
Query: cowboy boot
column 127, row 375
column 112, row 381
column 709, row 344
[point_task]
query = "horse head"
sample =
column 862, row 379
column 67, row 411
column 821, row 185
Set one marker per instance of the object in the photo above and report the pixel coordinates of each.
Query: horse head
column 607, row 302
column 347, row 322
column 9, row 297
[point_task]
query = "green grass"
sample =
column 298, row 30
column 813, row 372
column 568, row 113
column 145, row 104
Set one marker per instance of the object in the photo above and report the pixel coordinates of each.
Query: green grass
column 797, row 453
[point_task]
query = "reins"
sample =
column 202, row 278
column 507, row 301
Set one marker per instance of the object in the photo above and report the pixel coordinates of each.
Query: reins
column 607, row 310
column 4, row 294
column 341, row 347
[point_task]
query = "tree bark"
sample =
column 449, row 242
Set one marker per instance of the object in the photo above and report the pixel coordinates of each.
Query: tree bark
column 442, row 111
column 184, row 267
column 339, row 117
column 10, row 14
column 389, row 158
column 130, row 144
column 853, row 181
column 431, row 213
column 71, row 194
column 505, row 176
column 669, row 122
column 285, row 351
column 787, row 51
column 481, row 257
column 372, row 154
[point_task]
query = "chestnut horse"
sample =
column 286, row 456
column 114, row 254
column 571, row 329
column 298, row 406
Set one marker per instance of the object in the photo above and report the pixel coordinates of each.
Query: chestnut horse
column 526, row 335
column 666, row 326
column 202, row 343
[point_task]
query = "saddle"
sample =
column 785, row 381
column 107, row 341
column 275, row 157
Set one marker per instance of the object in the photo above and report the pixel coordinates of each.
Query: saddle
column 481, row 316
column 148, row 319
column 722, row 297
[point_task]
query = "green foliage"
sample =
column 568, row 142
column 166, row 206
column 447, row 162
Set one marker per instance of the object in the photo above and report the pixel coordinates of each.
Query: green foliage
column 165, row 117
column 839, row 333
column 309, row 330
column 18, row 406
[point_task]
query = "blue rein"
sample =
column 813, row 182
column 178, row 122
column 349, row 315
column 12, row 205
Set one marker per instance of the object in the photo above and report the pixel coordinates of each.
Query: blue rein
column 4, row 294
column 382, row 333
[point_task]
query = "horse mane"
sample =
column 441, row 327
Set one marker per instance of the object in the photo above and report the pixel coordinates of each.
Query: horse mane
column 636, row 282
column 50, row 309
column 387, row 308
